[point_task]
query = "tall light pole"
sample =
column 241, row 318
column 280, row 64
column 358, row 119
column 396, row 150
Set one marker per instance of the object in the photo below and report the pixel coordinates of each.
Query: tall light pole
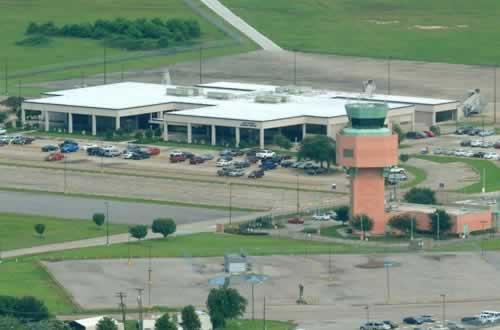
column 438, row 224
column 443, row 302
column 107, row 222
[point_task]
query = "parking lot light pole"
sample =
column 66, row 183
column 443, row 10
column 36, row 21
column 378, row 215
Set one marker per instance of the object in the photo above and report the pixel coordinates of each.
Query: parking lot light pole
column 438, row 224
column 443, row 297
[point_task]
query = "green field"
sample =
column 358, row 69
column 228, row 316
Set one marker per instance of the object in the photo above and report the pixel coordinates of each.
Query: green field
column 207, row 245
column 454, row 31
column 87, row 55
column 16, row 230
column 488, row 170
column 418, row 174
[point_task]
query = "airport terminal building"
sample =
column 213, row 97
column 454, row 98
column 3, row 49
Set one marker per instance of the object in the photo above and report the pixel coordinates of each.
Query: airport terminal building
column 225, row 113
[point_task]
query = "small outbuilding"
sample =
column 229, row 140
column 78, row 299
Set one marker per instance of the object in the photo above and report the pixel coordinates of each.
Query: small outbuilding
column 235, row 263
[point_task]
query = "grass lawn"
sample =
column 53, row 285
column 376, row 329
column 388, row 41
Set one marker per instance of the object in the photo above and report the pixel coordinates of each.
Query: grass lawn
column 207, row 245
column 258, row 325
column 28, row 278
column 84, row 56
column 481, row 166
column 429, row 30
column 17, row 231
column 418, row 174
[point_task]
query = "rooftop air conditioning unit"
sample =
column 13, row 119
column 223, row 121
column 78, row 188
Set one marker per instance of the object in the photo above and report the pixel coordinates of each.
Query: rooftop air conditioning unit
column 270, row 98
column 183, row 91
column 220, row 95
column 295, row 90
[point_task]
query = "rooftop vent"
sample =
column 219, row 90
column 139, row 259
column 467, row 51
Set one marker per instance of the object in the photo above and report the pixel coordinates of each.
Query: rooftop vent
column 183, row 91
column 272, row 98
column 220, row 95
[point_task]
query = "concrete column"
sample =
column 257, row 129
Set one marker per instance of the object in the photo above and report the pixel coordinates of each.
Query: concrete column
column 190, row 133
column 47, row 120
column 214, row 141
column 237, row 136
column 94, row 125
column 304, row 130
column 329, row 131
column 165, row 131
column 261, row 138
column 23, row 117
column 117, row 123
column 70, row 122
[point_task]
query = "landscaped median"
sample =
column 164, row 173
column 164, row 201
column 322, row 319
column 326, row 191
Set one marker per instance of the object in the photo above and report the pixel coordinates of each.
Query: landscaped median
column 488, row 171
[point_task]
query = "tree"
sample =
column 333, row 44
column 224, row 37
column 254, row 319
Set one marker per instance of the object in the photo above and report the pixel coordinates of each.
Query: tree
column 139, row 135
column 30, row 309
column 282, row 141
column 164, row 226
column 442, row 220
column 342, row 212
column 139, row 231
column 3, row 117
column 397, row 130
column 224, row 303
column 320, row 148
column 40, row 228
column 404, row 157
column 165, row 323
column 48, row 325
column 420, row 196
column 436, row 130
column 362, row 222
column 8, row 322
column 149, row 133
column 190, row 320
column 98, row 219
column 106, row 323
column 403, row 222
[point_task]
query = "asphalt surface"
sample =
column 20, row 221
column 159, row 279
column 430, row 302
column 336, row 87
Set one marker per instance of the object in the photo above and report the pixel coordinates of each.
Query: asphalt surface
column 119, row 212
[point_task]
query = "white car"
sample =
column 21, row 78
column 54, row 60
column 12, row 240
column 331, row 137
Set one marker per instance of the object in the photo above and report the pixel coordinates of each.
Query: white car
column 476, row 143
column 87, row 146
column 469, row 153
column 321, row 217
column 223, row 163
column 3, row 131
column 263, row 154
column 128, row 155
column 491, row 155
column 459, row 152
column 374, row 325
column 486, row 144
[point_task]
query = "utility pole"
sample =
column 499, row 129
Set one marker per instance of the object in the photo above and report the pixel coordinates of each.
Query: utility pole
column 122, row 295
column 230, row 202
column 438, row 224
column 107, row 222
column 139, row 303
column 105, row 65
column 201, row 69
column 389, row 75
column 150, row 280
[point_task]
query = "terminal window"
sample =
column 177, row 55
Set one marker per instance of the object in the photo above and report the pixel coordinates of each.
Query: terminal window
column 348, row 153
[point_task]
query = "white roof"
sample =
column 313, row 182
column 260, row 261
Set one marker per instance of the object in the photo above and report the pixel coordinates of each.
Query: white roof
column 91, row 321
column 248, row 110
column 392, row 98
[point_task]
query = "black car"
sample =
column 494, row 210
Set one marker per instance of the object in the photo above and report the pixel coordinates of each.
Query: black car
column 256, row 174
column 138, row 155
column 413, row 320
column 95, row 151
column 237, row 152
column 241, row 163
column 478, row 154
column 286, row 163
column 49, row 148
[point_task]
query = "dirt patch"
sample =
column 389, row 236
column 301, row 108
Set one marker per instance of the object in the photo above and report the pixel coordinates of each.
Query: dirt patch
column 431, row 27
column 439, row 257
column 377, row 263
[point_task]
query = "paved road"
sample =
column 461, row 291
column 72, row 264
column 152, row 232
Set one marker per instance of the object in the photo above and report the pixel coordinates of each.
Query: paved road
column 236, row 21
column 119, row 212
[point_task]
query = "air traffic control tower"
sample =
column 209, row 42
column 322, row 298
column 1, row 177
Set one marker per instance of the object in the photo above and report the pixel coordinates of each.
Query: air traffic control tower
column 366, row 147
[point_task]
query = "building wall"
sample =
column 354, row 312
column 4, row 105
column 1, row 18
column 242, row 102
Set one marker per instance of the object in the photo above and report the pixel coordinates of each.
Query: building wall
column 367, row 151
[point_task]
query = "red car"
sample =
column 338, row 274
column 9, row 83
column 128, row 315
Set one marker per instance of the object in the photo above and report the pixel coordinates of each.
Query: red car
column 296, row 221
column 177, row 158
column 153, row 151
column 54, row 157
column 429, row 133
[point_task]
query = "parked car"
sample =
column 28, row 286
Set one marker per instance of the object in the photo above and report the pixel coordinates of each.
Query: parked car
column 392, row 325
column 252, row 159
column 491, row 156
column 463, row 130
column 237, row 152
column 112, row 152
column 497, row 145
column 479, row 154
column 256, row 174
column 49, row 148
column 486, row 144
column 69, row 147
column 95, row 151
column 474, row 131
column 286, row 163
column 196, row 160
column 87, row 146
column 3, row 131
column 321, row 217
column 241, row 163
column 374, row 325
column 296, row 221
column 263, row 154
column 223, row 163
column 207, row 156
column 153, row 151
column 139, row 155
column 465, row 143
column 226, row 152
column 268, row 166
column 421, row 135
column 224, row 171
column 55, row 156
column 316, row 170
column 19, row 139
column 418, row 319
column 429, row 133
column 486, row 132
column 177, row 158
column 188, row 154
column 236, row 172
column 438, row 151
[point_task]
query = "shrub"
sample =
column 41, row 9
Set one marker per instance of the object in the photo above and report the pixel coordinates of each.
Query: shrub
column 396, row 129
column 164, row 226
column 106, row 324
column 404, row 157
column 436, row 130
column 282, row 141
column 98, row 219
column 420, row 196
column 342, row 212
column 403, row 223
column 40, row 228
column 442, row 220
column 362, row 222
column 139, row 231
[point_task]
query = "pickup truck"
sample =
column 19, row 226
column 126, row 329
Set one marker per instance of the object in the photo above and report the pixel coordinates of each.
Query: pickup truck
column 263, row 154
